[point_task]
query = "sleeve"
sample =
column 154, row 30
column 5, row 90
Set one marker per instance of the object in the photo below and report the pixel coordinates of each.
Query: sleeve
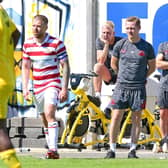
column 151, row 54
column 160, row 48
column 99, row 44
column 116, row 50
column 12, row 26
column 25, row 55
column 61, row 52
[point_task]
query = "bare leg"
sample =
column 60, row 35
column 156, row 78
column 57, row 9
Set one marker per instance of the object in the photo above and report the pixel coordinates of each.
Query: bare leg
column 136, row 118
column 45, row 123
column 50, row 110
column 53, row 127
column 44, row 120
column 164, row 122
column 5, row 142
column 103, row 74
column 116, row 118
column 115, row 124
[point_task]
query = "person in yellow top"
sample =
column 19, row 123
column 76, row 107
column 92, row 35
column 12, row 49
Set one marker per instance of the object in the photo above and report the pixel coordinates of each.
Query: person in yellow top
column 9, row 36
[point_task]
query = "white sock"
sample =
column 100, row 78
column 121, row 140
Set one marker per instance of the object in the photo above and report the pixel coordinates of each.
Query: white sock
column 133, row 146
column 98, row 94
column 113, row 146
column 53, row 130
column 46, row 135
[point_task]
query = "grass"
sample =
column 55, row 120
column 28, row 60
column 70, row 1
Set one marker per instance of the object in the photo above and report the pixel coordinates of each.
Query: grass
column 32, row 162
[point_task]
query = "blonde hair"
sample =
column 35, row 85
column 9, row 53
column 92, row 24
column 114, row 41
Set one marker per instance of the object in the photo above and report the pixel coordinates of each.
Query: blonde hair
column 109, row 23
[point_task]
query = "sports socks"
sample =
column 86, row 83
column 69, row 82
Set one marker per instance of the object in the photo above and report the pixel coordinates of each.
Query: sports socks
column 10, row 159
column 98, row 94
column 46, row 135
column 53, row 130
column 113, row 146
column 133, row 146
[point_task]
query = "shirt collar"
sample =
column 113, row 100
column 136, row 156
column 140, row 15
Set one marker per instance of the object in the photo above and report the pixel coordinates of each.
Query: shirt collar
column 44, row 41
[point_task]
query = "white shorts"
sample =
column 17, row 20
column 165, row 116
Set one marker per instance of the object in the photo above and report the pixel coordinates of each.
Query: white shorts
column 49, row 96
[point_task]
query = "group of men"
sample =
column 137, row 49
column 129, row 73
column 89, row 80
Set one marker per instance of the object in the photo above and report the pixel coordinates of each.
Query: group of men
column 131, row 61
column 44, row 55
column 126, row 62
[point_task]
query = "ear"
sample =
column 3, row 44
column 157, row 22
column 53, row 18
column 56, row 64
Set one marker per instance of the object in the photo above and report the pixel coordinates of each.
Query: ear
column 46, row 27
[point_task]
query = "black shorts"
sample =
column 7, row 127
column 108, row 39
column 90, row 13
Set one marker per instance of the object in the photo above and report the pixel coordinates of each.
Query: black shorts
column 123, row 98
column 162, row 98
column 113, row 77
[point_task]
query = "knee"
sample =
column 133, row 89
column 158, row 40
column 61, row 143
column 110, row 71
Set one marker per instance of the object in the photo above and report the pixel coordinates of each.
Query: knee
column 164, row 114
column 98, row 67
column 50, row 117
column 116, row 117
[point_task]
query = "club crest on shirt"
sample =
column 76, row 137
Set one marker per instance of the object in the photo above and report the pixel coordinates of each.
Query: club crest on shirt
column 123, row 51
column 166, row 52
column 49, row 50
column 112, row 102
column 141, row 53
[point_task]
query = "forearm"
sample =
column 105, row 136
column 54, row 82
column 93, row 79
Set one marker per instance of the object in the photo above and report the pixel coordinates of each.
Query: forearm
column 25, row 78
column 115, row 68
column 66, row 73
column 150, row 71
column 162, row 64
column 26, row 64
column 114, row 64
column 151, row 67
column 102, row 56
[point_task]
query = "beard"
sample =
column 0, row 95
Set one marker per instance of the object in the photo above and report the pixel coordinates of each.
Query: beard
column 38, row 35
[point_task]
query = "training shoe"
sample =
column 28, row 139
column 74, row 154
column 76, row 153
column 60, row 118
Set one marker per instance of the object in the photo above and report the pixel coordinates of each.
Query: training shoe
column 110, row 154
column 165, row 147
column 107, row 112
column 52, row 155
column 157, row 148
column 132, row 154
column 46, row 146
column 97, row 101
column 164, row 144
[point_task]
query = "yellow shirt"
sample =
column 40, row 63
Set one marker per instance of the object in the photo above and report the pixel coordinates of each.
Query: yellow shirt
column 7, row 27
column 7, row 73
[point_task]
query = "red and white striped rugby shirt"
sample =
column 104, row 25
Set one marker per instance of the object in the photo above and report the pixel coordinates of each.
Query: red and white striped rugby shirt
column 45, row 58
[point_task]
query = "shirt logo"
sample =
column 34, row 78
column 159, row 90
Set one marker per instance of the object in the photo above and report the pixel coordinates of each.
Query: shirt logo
column 143, row 105
column 141, row 53
column 112, row 102
column 166, row 52
column 123, row 51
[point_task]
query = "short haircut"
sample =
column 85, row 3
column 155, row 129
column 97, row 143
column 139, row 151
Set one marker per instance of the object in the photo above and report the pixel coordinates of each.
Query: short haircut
column 109, row 23
column 134, row 19
column 41, row 17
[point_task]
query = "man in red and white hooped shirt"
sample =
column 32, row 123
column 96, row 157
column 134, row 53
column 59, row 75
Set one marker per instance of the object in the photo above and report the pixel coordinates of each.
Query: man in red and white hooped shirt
column 44, row 54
